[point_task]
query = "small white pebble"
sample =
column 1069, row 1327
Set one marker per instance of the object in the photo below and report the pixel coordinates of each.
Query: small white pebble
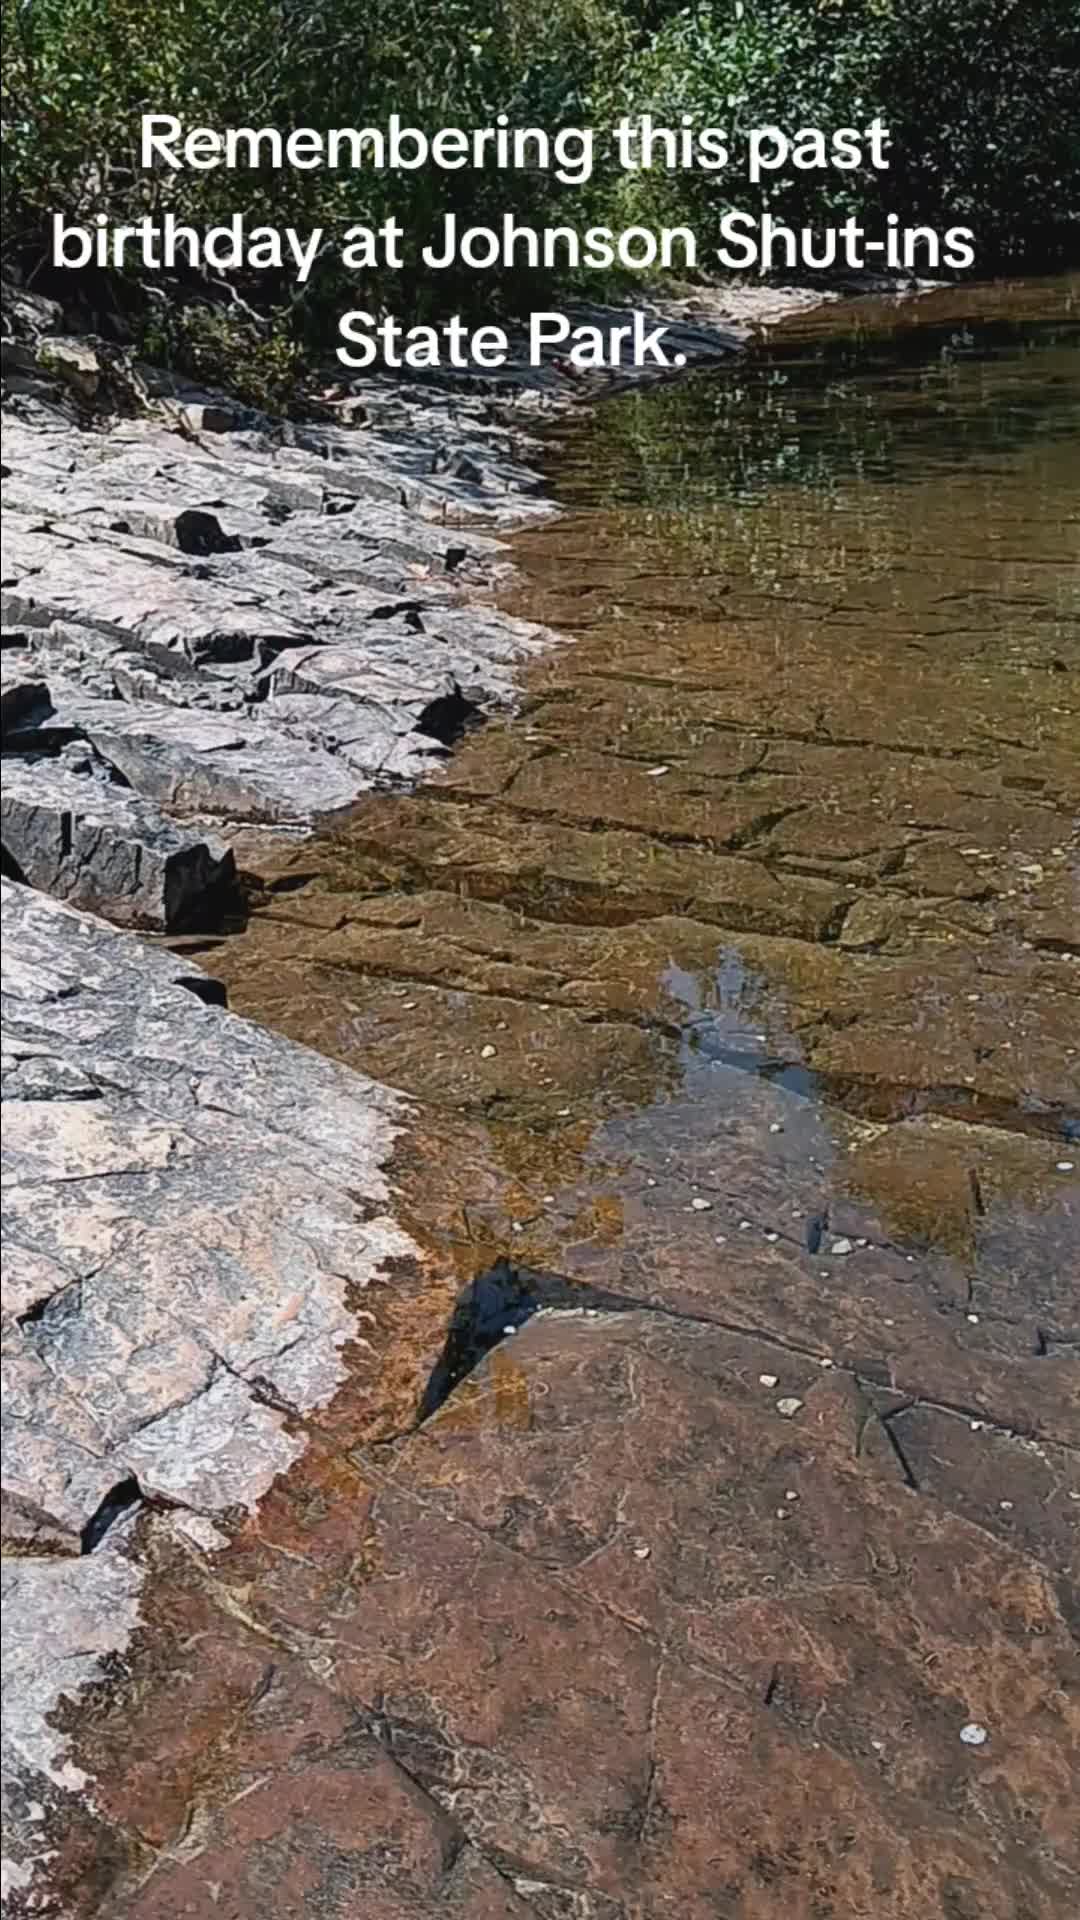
column 1065, row 1166
column 878, row 1746
column 973, row 1735
column 789, row 1407
column 700, row 1205
column 744, row 1226
column 772, row 1237
column 841, row 1246
column 655, row 772
column 721, row 1239
column 1006, row 1506
column 509, row 1330
column 549, row 1199
column 650, row 1183
column 976, row 1425
column 642, row 1553
column 769, row 1379
column 888, row 1323
column 974, row 1318
column 777, row 1126
column 516, row 1226
column 791, row 1494
column 781, row 1513
column 825, row 1361
column 487, row 1053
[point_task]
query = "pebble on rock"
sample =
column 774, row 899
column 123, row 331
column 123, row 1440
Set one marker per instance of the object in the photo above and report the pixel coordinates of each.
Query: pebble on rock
column 789, row 1407
column 973, row 1735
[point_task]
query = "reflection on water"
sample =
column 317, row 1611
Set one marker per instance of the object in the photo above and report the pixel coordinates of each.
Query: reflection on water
column 875, row 399
column 742, row 965
column 839, row 583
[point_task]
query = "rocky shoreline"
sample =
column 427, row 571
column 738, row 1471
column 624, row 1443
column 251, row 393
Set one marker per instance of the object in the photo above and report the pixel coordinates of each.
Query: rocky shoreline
column 219, row 630
column 324, row 1596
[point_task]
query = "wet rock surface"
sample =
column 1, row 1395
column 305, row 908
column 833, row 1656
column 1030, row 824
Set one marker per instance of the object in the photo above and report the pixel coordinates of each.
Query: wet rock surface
column 671, row 1506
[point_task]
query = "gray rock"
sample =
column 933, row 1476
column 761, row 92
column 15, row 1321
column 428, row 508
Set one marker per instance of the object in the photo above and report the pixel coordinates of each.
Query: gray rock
column 158, row 602
column 241, row 769
column 100, row 846
column 63, row 1618
column 180, row 1218
column 249, row 623
column 24, row 695
column 73, row 361
column 363, row 738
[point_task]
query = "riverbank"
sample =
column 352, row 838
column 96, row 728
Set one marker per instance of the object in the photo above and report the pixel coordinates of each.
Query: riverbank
column 219, row 629
column 769, row 1486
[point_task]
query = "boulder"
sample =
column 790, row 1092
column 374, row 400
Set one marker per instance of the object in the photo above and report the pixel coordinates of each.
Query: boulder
column 241, row 768
column 101, row 846
column 184, row 1196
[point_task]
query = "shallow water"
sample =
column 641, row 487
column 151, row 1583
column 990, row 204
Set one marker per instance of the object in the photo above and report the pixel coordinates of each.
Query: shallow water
column 736, row 979
column 752, row 943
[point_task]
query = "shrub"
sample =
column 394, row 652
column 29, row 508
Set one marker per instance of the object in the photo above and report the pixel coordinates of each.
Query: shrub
column 982, row 98
column 79, row 73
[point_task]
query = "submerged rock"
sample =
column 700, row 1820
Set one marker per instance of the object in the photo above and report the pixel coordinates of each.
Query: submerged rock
column 190, row 1206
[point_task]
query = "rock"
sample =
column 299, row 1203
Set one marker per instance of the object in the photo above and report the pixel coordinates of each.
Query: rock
column 208, row 416
column 63, row 1619
column 73, row 361
column 404, row 690
column 158, row 603
column 183, row 1196
column 177, row 1220
column 30, row 315
column 100, row 846
column 973, row 1735
column 867, row 925
column 283, row 567
column 240, row 769
column 24, row 695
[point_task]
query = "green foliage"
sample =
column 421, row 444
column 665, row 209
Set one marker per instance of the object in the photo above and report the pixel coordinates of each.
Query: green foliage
column 221, row 346
column 981, row 97
column 79, row 73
